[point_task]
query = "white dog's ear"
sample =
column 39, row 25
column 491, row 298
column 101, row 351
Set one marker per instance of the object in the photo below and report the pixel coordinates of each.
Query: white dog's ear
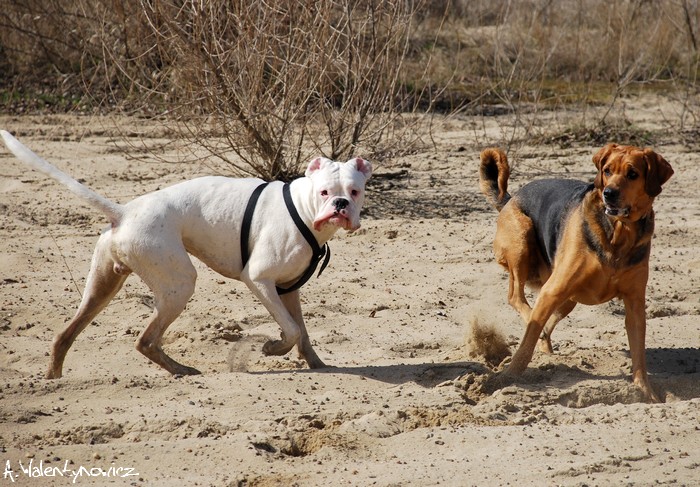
column 316, row 164
column 365, row 167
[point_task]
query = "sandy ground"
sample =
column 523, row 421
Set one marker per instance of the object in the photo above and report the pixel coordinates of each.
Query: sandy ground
column 393, row 313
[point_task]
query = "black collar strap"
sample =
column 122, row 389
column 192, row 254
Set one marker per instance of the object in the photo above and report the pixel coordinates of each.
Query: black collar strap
column 245, row 225
column 318, row 251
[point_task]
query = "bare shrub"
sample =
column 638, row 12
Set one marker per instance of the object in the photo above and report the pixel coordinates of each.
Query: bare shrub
column 260, row 86
column 263, row 86
column 538, row 54
column 74, row 48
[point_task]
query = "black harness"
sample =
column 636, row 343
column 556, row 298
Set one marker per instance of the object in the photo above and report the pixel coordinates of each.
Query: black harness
column 318, row 251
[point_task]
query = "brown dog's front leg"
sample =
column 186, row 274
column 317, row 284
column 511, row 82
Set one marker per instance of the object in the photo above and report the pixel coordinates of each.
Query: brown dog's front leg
column 549, row 300
column 636, row 324
column 545, row 343
column 523, row 355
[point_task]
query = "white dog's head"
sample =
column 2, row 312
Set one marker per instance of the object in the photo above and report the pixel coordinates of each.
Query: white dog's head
column 339, row 191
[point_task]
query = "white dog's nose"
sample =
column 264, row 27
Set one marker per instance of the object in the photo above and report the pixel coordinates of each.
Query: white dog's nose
column 340, row 204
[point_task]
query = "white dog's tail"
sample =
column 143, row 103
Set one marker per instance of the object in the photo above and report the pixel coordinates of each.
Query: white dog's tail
column 113, row 210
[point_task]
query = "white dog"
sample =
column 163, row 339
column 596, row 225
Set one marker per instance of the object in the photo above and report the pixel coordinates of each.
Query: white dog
column 152, row 235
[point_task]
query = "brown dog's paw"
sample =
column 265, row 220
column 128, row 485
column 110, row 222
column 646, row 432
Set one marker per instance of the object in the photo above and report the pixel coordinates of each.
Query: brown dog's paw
column 52, row 374
column 318, row 364
column 309, row 356
column 496, row 382
column 182, row 370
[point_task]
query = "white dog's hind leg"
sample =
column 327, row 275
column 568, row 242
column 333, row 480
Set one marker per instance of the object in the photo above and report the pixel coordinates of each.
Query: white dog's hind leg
column 171, row 277
column 101, row 286
column 306, row 351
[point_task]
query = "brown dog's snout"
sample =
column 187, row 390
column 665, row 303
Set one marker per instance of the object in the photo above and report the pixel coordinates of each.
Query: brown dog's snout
column 611, row 194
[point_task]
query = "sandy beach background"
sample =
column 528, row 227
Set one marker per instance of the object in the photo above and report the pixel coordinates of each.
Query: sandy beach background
column 393, row 314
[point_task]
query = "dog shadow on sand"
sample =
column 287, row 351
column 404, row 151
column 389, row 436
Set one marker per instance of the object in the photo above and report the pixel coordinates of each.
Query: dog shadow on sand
column 674, row 372
column 426, row 375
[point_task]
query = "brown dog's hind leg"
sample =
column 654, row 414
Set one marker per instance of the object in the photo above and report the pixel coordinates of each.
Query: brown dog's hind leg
column 516, row 288
column 102, row 285
column 515, row 237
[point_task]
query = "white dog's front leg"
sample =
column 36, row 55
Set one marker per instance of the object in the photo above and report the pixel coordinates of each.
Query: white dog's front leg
column 291, row 332
column 306, row 351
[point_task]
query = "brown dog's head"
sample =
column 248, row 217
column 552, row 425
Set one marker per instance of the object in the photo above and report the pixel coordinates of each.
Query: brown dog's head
column 629, row 178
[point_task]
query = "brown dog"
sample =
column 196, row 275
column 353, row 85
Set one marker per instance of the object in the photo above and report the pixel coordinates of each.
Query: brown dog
column 580, row 242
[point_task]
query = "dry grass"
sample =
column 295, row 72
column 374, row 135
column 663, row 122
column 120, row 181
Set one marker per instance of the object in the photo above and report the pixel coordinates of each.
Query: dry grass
column 261, row 86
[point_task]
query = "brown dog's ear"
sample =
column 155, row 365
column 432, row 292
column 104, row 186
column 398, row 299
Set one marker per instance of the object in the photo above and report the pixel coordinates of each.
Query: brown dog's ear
column 658, row 172
column 599, row 160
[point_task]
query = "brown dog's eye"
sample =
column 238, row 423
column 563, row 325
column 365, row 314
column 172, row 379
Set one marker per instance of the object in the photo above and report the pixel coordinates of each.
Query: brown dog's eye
column 607, row 172
column 632, row 175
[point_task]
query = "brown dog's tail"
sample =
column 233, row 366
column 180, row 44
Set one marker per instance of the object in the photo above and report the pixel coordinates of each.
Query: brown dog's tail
column 494, row 172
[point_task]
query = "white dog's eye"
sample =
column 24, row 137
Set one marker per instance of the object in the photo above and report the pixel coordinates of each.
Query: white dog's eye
column 324, row 192
column 354, row 192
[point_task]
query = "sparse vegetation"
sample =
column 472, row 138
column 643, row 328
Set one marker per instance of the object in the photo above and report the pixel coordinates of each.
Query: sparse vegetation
column 600, row 134
column 260, row 87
